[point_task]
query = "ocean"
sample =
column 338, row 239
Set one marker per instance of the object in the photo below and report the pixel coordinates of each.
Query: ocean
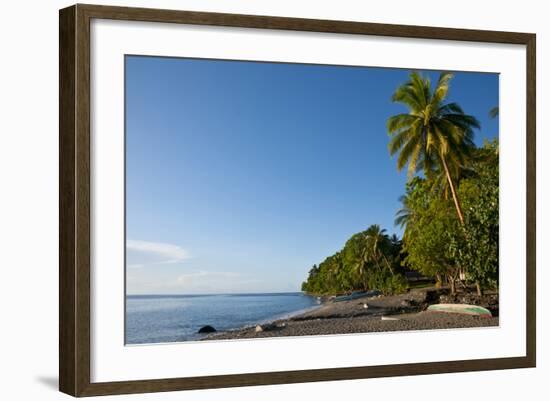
column 172, row 318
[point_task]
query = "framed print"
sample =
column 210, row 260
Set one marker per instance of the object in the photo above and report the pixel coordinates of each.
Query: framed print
column 250, row 200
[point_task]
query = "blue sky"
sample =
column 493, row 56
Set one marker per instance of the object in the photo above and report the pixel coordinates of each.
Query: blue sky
column 241, row 175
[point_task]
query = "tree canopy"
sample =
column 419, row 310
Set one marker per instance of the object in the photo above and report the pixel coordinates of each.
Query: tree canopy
column 369, row 260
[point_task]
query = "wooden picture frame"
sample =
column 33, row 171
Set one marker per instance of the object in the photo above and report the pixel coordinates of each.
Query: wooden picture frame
column 74, row 203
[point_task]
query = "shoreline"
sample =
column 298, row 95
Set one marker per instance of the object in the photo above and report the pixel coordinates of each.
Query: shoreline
column 283, row 317
column 402, row 312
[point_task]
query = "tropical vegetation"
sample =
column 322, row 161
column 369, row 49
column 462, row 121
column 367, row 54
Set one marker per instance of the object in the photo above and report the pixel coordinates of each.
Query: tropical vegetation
column 449, row 213
column 369, row 259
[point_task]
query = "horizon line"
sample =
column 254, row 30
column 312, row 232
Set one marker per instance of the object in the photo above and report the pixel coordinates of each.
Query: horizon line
column 217, row 293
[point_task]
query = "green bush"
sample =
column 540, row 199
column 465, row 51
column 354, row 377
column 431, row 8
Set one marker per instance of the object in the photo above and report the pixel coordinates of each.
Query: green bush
column 387, row 283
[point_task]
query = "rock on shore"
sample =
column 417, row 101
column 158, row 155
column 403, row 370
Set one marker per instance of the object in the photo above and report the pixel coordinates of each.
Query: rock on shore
column 207, row 329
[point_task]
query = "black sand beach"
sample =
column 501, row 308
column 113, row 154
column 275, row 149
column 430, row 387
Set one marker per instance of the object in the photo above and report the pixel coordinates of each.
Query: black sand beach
column 365, row 315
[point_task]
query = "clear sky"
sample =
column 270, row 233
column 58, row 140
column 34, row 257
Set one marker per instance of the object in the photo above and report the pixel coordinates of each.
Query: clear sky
column 241, row 175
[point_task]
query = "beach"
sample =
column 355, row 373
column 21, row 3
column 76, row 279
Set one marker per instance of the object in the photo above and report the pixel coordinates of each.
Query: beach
column 152, row 319
column 370, row 314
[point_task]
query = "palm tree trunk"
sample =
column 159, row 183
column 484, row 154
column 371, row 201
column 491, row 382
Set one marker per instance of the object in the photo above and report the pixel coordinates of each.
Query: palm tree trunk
column 388, row 264
column 478, row 289
column 453, row 191
column 452, row 283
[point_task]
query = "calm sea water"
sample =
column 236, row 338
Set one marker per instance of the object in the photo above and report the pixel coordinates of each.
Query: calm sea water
column 169, row 318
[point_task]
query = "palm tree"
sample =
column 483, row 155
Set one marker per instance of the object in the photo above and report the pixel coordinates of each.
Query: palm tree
column 433, row 134
column 395, row 241
column 360, row 268
column 373, row 245
column 377, row 241
column 403, row 215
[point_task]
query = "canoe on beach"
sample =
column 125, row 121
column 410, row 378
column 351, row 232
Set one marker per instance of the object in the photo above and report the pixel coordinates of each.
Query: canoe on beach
column 473, row 310
column 356, row 295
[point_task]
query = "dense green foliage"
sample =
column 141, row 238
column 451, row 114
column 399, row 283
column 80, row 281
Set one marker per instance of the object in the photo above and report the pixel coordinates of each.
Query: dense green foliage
column 449, row 214
column 430, row 231
column 435, row 242
column 478, row 252
column 369, row 260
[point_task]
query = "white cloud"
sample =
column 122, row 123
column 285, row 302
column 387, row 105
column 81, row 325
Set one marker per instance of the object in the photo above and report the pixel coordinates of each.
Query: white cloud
column 145, row 253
